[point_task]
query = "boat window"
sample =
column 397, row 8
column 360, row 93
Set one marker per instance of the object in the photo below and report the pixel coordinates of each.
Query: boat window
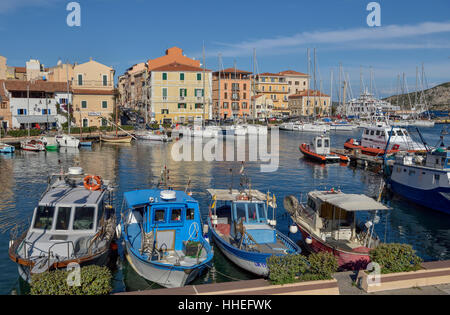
column 326, row 143
column 372, row 132
column 44, row 217
column 311, row 204
column 367, row 132
column 436, row 178
column 405, row 132
column 190, row 214
column 383, row 134
column 84, row 218
column 240, row 211
column 262, row 212
column 175, row 215
column 252, row 212
column 160, row 216
column 319, row 143
column 63, row 218
column 399, row 133
column 378, row 132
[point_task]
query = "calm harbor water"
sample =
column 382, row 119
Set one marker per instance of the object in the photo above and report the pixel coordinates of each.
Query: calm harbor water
column 23, row 178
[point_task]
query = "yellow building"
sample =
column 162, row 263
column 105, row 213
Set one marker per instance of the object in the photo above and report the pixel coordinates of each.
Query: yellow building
column 275, row 87
column 309, row 103
column 180, row 93
column 93, row 94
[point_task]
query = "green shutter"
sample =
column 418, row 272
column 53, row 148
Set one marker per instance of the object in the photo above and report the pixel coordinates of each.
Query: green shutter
column 199, row 76
column 164, row 76
column 182, row 76
column 83, row 104
column 105, row 104
column 203, row 92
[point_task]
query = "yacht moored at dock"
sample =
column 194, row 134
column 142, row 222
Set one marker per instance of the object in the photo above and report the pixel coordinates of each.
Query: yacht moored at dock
column 74, row 222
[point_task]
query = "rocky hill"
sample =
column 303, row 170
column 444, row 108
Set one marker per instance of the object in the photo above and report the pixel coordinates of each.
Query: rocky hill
column 438, row 97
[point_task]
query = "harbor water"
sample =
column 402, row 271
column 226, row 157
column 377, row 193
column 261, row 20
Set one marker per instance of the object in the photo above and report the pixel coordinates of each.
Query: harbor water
column 23, row 178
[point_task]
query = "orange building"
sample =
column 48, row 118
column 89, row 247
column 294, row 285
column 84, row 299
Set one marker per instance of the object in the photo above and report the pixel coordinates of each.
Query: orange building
column 231, row 93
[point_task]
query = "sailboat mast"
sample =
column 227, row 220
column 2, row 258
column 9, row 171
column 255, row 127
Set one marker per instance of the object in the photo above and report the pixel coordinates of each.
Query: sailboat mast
column 331, row 93
column 68, row 96
column 220, row 74
column 28, row 106
column 204, row 92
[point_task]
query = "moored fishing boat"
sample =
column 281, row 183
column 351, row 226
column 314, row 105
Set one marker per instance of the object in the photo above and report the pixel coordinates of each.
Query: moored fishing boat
column 327, row 222
column 73, row 222
column 50, row 143
column 163, row 237
column 6, row 148
column 68, row 141
column 319, row 150
column 425, row 182
column 241, row 228
column 116, row 139
column 32, row 145
column 154, row 135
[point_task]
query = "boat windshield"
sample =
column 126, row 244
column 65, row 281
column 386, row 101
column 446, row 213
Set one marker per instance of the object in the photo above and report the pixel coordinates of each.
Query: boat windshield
column 44, row 217
column 84, row 218
column 326, row 143
column 63, row 218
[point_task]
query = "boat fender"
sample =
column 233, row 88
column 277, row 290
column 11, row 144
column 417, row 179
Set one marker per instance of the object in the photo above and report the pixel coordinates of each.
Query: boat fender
column 89, row 182
column 308, row 240
column 293, row 229
column 11, row 242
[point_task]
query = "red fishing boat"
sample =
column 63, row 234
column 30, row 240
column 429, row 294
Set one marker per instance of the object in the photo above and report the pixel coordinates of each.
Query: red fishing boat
column 352, row 144
column 319, row 150
column 327, row 222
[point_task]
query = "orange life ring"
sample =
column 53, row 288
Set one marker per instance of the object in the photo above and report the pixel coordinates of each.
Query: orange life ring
column 89, row 182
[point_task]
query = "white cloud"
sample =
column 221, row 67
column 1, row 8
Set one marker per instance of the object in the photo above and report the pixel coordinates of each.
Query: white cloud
column 389, row 36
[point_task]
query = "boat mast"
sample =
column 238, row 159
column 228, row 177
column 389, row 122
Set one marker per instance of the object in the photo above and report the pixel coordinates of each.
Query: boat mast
column 28, row 107
column 331, row 93
column 204, row 92
column 219, row 103
column 68, row 95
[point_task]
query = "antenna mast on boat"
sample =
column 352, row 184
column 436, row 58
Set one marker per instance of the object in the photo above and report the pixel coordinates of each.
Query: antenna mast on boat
column 68, row 95
column 220, row 74
column 204, row 91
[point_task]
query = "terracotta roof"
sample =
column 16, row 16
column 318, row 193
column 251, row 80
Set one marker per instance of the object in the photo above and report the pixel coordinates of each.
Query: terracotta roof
column 308, row 92
column 175, row 66
column 93, row 92
column 39, row 85
column 268, row 74
column 256, row 96
column 292, row 72
column 20, row 69
column 233, row 70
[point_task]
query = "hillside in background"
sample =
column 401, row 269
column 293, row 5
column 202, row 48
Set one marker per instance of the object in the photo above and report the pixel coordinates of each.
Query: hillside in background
column 438, row 97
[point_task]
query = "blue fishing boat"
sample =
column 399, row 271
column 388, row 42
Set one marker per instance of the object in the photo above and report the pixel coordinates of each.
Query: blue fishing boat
column 240, row 227
column 6, row 148
column 163, row 237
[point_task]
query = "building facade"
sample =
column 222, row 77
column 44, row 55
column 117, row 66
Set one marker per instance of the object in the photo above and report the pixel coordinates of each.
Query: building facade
column 34, row 103
column 5, row 112
column 310, row 103
column 132, row 87
column 93, row 94
column 263, row 106
column 231, row 89
column 180, row 93
column 297, row 81
column 275, row 87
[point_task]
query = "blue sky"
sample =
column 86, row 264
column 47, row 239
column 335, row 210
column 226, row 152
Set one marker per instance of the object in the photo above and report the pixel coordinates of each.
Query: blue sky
column 120, row 33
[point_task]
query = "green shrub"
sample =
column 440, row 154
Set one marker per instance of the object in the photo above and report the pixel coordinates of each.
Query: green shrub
column 285, row 269
column 395, row 258
column 323, row 265
column 95, row 280
column 23, row 132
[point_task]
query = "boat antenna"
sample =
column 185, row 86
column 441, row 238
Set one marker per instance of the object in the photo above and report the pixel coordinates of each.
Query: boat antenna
column 231, row 184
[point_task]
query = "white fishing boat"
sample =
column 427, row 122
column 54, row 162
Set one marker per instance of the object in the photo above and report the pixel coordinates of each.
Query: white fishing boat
column 153, row 135
column 73, row 222
column 315, row 127
column 68, row 141
column 32, row 145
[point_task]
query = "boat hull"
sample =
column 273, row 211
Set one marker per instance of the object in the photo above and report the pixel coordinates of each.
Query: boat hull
column 431, row 198
column 346, row 260
column 116, row 139
column 321, row 158
column 168, row 277
column 7, row 149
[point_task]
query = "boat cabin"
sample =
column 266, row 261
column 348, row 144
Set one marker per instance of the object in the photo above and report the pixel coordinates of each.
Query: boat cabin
column 331, row 215
column 162, row 221
column 237, row 211
column 439, row 158
column 66, row 219
column 321, row 145
column 377, row 137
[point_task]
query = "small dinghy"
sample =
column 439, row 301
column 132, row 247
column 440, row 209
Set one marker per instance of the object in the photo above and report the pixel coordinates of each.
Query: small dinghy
column 6, row 148
column 73, row 222
column 50, row 143
column 32, row 145
column 67, row 141
column 319, row 150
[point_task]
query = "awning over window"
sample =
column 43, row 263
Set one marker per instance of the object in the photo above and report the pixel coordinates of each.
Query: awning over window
column 36, row 119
